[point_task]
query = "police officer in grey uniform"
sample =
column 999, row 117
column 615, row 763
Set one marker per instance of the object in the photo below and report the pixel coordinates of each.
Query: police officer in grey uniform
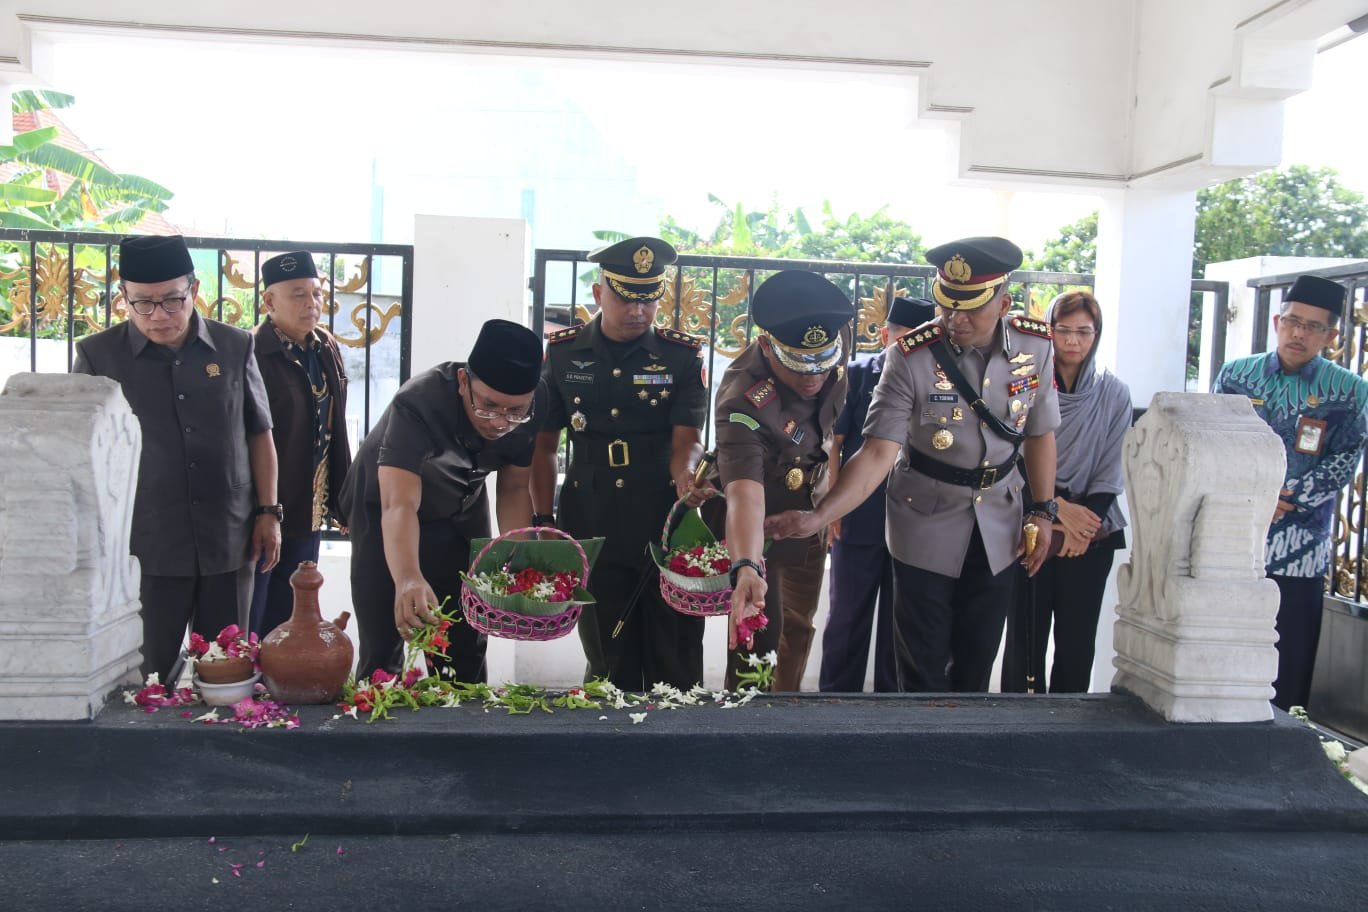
column 206, row 504
column 959, row 398
column 776, row 408
column 632, row 397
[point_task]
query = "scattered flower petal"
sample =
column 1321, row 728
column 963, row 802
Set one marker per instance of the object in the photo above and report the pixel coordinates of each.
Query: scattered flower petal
column 637, row 718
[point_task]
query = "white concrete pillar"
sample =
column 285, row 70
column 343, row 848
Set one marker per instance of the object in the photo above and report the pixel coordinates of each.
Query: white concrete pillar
column 69, row 626
column 465, row 271
column 1144, row 275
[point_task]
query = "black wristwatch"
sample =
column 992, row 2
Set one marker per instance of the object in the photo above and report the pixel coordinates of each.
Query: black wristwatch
column 744, row 562
column 1046, row 509
column 276, row 510
column 544, row 519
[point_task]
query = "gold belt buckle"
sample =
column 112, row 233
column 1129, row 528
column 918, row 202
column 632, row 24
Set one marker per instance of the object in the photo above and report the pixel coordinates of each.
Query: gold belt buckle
column 619, row 457
column 988, row 479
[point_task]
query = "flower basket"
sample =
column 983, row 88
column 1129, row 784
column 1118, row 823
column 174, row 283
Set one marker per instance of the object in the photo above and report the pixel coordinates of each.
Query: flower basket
column 697, row 596
column 516, row 616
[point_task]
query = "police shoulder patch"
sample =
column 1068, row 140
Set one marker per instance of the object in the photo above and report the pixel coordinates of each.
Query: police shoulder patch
column 1031, row 327
column 762, row 393
column 564, row 335
column 679, row 338
column 919, row 338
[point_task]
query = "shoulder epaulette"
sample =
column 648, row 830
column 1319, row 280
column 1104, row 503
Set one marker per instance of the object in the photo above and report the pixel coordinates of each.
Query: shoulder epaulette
column 1032, row 327
column 919, row 338
column 679, row 338
column 562, row 335
column 762, row 393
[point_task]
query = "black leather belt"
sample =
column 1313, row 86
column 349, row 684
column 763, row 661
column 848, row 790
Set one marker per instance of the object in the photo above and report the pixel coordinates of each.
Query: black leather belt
column 970, row 478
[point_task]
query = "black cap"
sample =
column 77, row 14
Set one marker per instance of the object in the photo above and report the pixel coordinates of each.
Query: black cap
column 1317, row 292
column 635, row 268
column 297, row 265
column 150, row 258
column 910, row 312
column 970, row 271
column 803, row 314
column 507, row 357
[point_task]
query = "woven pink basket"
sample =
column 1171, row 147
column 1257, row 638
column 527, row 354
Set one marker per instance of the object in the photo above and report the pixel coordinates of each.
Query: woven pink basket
column 511, row 625
column 697, row 596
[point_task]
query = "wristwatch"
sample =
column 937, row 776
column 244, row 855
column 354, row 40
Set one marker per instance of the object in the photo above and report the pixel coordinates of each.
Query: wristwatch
column 744, row 562
column 544, row 519
column 1045, row 509
column 276, row 510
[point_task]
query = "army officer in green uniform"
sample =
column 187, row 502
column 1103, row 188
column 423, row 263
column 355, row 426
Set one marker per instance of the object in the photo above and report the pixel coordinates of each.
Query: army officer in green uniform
column 632, row 396
column 776, row 408
column 958, row 399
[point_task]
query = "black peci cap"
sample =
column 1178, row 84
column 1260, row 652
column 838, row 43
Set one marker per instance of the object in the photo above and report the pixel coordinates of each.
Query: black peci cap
column 297, row 265
column 1317, row 292
column 149, row 258
column 635, row 268
column 803, row 314
column 970, row 271
column 507, row 357
column 910, row 312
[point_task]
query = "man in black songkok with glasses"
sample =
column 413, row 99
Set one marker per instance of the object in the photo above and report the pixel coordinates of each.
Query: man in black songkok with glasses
column 206, row 508
column 415, row 496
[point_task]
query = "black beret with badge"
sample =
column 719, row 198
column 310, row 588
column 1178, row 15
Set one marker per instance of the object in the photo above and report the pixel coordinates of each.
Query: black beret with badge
column 970, row 271
column 1317, row 292
column 507, row 357
column 635, row 268
column 803, row 314
column 297, row 265
column 149, row 258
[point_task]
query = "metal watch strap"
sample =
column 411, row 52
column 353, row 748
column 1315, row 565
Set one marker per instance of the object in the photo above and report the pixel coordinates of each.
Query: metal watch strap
column 744, row 562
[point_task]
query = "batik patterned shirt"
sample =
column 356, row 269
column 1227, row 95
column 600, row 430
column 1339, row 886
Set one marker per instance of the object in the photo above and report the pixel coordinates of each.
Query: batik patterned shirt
column 1321, row 415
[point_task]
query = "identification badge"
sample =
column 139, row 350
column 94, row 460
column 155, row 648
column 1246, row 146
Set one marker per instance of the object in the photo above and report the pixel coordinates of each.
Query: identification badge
column 1310, row 436
column 944, row 397
column 574, row 377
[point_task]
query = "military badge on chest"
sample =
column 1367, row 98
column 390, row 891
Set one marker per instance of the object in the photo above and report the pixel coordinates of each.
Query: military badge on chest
column 578, row 420
column 793, row 431
column 793, row 478
column 943, row 439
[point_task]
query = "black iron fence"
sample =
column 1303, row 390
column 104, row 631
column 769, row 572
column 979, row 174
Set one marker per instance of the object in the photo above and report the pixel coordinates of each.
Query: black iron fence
column 57, row 287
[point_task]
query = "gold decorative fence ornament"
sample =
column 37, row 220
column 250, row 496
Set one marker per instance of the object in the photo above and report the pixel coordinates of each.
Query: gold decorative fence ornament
column 52, row 271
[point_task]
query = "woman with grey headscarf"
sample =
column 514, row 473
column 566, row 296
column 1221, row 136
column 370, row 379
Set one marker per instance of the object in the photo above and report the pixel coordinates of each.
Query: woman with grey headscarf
column 1094, row 411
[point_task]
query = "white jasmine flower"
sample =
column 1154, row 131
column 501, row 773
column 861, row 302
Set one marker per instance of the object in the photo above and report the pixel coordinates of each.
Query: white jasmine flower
column 771, row 658
column 637, row 718
column 1335, row 751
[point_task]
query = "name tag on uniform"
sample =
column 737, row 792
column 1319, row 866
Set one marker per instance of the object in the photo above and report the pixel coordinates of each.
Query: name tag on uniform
column 1310, row 438
column 944, row 397
column 652, row 379
column 573, row 377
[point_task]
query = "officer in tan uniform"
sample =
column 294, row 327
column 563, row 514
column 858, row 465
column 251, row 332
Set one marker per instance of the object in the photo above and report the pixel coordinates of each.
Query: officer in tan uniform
column 959, row 398
column 776, row 407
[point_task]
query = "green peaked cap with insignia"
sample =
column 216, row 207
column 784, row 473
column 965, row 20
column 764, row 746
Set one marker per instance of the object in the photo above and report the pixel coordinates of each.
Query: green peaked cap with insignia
column 635, row 268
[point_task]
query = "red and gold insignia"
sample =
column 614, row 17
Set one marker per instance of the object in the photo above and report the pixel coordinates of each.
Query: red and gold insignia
column 789, row 426
column 562, row 335
column 762, row 393
column 1032, row 327
column 918, row 339
column 679, row 338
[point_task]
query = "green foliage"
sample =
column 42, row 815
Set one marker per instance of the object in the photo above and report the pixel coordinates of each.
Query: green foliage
column 1075, row 250
column 1297, row 211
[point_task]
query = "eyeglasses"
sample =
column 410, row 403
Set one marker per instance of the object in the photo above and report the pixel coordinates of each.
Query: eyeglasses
column 508, row 416
column 1295, row 323
column 1063, row 332
column 171, row 304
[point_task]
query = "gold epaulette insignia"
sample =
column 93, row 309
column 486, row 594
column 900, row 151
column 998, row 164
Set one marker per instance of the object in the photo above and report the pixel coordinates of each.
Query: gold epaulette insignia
column 679, row 338
column 1032, row 327
column 562, row 335
column 919, row 338
column 762, row 393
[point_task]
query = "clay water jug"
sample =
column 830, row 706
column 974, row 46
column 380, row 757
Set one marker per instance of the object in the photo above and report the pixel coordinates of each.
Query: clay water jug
column 306, row 659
